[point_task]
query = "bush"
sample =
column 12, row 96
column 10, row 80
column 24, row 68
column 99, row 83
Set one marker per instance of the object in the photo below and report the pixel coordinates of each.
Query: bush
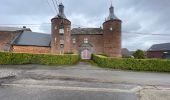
column 45, row 59
column 139, row 54
column 157, row 65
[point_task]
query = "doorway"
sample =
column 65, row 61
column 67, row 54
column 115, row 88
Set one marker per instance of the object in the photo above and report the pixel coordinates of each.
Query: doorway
column 85, row 54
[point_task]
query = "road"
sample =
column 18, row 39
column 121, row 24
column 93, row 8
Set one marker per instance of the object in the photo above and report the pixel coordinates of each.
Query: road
column 80, row 82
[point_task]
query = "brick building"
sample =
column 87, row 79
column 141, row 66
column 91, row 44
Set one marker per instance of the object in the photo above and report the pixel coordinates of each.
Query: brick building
column 7, row 34
column 64, row 40
column 159, row 51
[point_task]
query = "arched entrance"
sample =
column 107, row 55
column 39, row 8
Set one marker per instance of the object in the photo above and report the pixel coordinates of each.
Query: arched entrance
column 85, row 51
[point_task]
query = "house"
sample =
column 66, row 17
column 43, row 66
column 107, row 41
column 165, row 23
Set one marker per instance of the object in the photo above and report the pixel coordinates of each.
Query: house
column 64, row 40
column 126, row 53
column 7, row 34
column 159, row 51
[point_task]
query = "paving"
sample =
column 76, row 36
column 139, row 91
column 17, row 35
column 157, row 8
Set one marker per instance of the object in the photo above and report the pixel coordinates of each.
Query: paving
column 80, row 82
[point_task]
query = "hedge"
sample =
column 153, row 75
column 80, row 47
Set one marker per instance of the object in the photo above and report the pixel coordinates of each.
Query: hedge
column 7, row 58
column 156, row 65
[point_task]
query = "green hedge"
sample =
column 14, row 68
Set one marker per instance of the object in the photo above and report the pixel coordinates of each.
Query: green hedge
column 157, row 65
column 44, row 59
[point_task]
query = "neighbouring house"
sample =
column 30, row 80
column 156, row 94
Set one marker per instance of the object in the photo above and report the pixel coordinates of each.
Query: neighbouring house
column 7, row 34
column 31, row 42
column 159, row 51
column 64, row 40
column 126, row 53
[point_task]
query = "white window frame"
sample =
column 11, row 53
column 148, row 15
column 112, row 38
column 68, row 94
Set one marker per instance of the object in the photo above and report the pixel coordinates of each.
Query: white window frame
column 74, row 41
column 86, row 40
column 61, row 31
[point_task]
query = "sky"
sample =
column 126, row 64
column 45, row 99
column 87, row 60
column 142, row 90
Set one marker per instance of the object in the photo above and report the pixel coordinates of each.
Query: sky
column 141, row 19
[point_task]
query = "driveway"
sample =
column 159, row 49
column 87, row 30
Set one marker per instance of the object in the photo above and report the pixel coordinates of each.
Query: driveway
column 80, row 82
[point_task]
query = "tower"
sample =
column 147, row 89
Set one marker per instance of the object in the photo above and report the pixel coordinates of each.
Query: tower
column 112, row 35
column 61, row 33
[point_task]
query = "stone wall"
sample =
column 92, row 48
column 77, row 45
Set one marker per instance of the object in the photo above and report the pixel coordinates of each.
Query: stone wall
column 31, row 49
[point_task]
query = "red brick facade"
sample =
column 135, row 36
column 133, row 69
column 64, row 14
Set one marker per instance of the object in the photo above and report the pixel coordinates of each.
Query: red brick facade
column 6, row 38
column 96, row 42
column 31, row 49
column 156, row 54
column 112, row 38
column 57, row 23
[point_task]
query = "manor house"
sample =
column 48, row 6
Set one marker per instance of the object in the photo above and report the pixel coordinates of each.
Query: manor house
column 64, row 40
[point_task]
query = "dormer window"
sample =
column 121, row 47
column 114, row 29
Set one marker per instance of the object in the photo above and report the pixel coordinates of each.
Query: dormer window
column 86, row 40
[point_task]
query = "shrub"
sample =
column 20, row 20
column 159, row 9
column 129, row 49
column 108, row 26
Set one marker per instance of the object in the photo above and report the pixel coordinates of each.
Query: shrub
column 157, row 65
column 45, row 59
column 139, row 54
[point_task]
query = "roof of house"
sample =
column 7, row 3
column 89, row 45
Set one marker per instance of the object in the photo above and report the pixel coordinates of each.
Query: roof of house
column 86, row 31
column 61, row 12
column 160, row 47
column 28, row 38
column 12, row 29
column 111, row 16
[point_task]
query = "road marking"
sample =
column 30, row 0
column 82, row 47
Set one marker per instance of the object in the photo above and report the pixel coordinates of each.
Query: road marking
column 88, row 89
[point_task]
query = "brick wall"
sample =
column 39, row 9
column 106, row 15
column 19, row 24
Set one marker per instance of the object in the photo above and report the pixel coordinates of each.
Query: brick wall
column 55, row 43
column 155, row 54
column 112, row 38
column 95, row 40
column 5, row 38
column 31, row 49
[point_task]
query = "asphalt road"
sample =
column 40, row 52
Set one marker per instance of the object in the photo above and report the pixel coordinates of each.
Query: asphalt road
column 80, row 82
column 34, row 93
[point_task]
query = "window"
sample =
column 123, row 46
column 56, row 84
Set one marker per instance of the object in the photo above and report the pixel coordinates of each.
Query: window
column 111, row 29
column 61, row 31
column 61, row 41
column 74, row 40
column 55, row 27
column 68, row 29
column 55, row 39
column 86, row 40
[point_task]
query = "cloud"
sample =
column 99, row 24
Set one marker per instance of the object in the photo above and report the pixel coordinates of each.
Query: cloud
column 143, row 16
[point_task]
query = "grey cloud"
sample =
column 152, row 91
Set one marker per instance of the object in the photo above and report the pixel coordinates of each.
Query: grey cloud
column 144, row 16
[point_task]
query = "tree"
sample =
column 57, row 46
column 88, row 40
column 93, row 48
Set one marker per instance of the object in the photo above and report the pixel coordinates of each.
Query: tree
column 139, row 54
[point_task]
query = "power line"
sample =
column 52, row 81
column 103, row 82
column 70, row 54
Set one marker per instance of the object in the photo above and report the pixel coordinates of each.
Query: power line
column 54, row 5
column 145, row 33
column 24, row 24
column 56, row 1
column 131, row 33
column 50, row 6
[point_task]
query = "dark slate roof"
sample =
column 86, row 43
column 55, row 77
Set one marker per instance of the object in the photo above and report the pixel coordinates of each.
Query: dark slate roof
column 86, row 31
column 61, row 12
column 111, row 16
column 160, row 47
column 28, row 38
column 12, row 29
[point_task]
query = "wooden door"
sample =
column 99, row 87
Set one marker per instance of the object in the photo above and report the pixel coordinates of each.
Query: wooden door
column 85, row 54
